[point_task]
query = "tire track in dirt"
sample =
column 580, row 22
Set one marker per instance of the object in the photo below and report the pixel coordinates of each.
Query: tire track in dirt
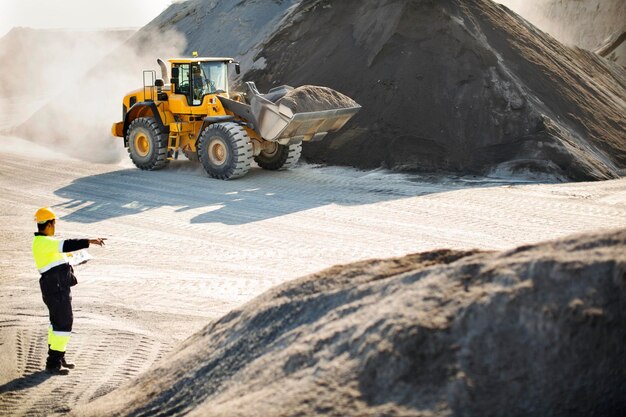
column 105, row 359
column 109, row 358
column 16, row 397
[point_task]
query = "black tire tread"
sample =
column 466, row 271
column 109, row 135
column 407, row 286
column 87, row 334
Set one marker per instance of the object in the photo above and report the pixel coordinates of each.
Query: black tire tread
column 286, row 157
column 241, row 148
column 159, row 138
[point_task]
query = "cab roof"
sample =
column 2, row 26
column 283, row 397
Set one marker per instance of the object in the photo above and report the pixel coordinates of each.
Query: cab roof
column 198, row 59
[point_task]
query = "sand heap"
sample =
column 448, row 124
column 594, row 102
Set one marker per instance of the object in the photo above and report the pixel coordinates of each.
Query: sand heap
column 595, row 25
column 535, row 331
column 460, row 85
column 582, row 23
column 309, row 98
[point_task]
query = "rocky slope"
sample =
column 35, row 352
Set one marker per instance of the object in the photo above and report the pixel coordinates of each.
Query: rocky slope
column 535, row 331
column 585, row 24
column 459, row 85
column 595, row 25
column 231, row 28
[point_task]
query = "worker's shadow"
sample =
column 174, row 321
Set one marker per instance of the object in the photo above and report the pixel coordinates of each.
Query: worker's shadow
column 25, row 382
column 259, row 195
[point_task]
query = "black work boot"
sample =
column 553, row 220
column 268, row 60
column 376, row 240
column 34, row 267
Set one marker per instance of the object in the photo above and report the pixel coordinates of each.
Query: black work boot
column 53, row 363
column 66, row 364
column 57, row 371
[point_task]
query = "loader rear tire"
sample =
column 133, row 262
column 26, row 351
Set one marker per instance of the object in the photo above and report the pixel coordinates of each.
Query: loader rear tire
column 147, row 144
column 225, row 151
column 280, row 157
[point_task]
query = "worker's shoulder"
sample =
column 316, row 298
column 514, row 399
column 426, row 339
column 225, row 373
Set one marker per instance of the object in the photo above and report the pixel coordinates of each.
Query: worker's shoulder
column 43, row 240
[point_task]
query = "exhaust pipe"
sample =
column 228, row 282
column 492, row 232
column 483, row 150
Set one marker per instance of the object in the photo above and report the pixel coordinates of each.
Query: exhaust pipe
column 163, row 69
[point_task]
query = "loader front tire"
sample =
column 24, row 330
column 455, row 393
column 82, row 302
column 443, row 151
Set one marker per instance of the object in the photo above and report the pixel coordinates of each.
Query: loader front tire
column 279, row 156
column 147, row 144
column 225, row 151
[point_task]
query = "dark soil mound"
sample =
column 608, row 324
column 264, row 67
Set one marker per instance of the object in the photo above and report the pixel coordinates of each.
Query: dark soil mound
column 230, row 28
column 536, row 331
column 310, row 98
column 457, row 85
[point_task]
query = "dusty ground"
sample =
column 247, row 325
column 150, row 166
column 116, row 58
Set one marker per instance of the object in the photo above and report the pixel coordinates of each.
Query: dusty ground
column 184, row 249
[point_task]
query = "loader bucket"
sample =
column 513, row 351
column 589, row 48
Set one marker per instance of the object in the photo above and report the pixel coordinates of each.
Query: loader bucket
column 278, row 122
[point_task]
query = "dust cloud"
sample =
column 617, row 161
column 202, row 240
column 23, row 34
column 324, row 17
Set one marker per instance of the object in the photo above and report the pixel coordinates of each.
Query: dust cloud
column 39, row 63
column 76, row 96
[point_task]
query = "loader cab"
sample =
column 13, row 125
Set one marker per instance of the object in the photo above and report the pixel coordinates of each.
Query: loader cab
column 196, row 78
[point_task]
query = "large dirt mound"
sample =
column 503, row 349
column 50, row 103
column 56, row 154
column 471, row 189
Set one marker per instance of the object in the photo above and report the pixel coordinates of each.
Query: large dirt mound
column 536, row 331
column 230, row 28
column 457, row 85
column 595, row 25
column 581, row 23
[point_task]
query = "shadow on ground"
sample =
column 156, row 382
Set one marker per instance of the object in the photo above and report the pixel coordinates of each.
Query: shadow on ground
column 260, row 195
column 257, row 196
column 25, row 382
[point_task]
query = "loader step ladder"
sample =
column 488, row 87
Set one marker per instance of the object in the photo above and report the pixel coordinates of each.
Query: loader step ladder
column 177, row 129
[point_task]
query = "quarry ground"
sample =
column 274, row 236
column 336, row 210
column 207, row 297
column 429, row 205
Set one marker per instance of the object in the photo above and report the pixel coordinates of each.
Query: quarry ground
column 184, row 249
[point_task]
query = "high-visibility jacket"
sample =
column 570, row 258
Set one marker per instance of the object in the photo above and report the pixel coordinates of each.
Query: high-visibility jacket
column 49, row 254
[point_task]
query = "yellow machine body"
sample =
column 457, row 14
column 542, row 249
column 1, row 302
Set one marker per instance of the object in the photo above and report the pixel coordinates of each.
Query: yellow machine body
column 181, row 112
column 197, row 114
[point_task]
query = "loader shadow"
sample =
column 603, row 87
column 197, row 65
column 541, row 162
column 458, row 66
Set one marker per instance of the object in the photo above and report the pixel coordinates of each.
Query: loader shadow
column 258, row 196
column 25, row 382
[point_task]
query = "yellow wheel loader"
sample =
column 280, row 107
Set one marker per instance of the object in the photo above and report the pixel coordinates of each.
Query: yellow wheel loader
column 197, row 115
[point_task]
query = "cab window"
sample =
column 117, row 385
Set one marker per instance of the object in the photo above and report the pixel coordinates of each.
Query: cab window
column 198, row 79
column 183, row 83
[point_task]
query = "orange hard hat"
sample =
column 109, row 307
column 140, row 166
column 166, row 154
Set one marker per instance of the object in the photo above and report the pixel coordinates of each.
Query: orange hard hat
column 44, row 214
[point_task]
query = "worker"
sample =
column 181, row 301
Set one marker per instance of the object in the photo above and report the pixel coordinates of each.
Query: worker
column 199, row 85
column 57, row 276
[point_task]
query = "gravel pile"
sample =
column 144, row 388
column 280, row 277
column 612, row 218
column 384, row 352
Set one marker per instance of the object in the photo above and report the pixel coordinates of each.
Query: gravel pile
column 535, row 331
column 461, row 86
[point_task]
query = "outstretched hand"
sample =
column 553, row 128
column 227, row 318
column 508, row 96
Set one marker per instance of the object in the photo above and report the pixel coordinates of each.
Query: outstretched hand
column 98, row 241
